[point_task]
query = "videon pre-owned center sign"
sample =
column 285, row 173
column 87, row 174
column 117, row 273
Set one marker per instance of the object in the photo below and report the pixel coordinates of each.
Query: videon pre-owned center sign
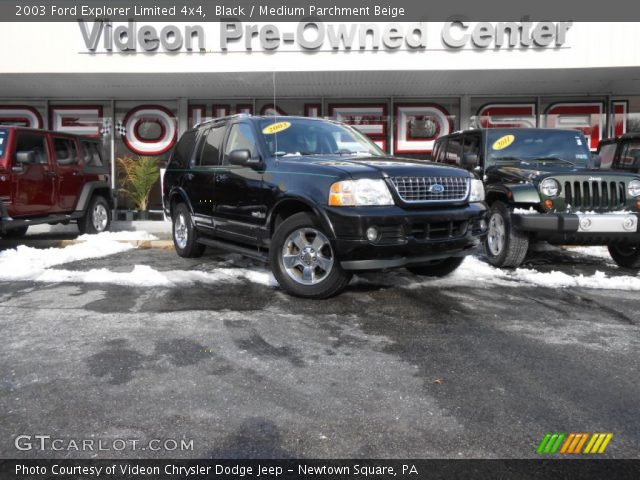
column 311, row 36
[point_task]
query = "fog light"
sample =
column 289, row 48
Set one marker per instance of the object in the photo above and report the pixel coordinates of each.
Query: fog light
column 585, row 223
column 629, row 224
column 483, row 225
column 372, row 234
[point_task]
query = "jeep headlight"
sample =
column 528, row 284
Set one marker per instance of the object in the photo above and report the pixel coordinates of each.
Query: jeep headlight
column 633, row 188
column 550, row 187
column 360, row 193
column 476, row 193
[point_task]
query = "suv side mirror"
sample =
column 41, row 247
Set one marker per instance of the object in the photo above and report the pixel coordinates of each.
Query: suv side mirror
column 242, row 158
column 28, row 156
column 470, row 161
column 595, row 161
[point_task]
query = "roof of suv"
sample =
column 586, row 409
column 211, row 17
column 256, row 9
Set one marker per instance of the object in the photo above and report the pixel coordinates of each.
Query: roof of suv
column 40, row 130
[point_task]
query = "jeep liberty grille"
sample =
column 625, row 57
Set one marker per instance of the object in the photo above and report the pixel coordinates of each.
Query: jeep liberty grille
column 431, row 189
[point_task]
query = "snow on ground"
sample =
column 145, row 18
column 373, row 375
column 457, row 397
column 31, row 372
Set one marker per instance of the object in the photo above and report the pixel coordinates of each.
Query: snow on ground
column 474, row 272
column 119, row 236
column 27, row 263
column 31, row 264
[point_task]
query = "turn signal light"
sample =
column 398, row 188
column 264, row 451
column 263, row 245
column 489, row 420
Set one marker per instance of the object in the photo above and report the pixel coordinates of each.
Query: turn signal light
column 548, row 204
column 638, row 204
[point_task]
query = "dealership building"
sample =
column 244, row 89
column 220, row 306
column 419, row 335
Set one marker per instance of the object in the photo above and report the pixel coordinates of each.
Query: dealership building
column 138, row 85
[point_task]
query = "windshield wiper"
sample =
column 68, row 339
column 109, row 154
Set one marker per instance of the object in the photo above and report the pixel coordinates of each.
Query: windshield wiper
column 509, row 159
column 555, row 159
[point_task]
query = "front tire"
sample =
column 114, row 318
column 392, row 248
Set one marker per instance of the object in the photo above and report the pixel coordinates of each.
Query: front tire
column 504, row 245
column 626, row 256
column 15, row 233
column 440, row 268
column 303, row 261
column 97, row 218
column 185, row 237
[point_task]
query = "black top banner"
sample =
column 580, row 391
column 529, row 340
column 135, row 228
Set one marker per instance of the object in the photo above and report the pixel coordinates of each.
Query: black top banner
column 321, row 10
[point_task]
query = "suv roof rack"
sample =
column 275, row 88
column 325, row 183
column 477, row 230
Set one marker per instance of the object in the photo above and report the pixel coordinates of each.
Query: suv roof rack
column 219, row 119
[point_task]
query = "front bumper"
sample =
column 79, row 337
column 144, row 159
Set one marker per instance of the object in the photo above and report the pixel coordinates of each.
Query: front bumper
column 577, row 222
column 405, row 236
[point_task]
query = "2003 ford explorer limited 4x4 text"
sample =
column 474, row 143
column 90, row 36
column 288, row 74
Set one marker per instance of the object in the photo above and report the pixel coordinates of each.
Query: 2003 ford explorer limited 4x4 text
column 318, row 200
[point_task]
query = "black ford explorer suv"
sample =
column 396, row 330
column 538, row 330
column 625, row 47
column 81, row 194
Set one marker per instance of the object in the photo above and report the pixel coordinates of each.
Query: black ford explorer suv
column 545, row 184
column 318, row 200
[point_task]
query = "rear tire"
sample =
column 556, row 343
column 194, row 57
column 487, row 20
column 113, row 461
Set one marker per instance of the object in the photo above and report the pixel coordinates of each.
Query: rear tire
column 15, row 233
column 626, row 256
column 97, row 218
column 303, row 261
column 185, row 236
column 440, row 268
column 504, row 245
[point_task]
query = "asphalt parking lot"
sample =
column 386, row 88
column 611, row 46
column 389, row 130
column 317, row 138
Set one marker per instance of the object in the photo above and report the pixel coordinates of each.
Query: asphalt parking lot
column 478, row 366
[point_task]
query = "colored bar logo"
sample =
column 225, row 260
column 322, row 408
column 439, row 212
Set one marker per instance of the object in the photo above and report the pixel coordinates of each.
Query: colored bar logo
column 573, row 443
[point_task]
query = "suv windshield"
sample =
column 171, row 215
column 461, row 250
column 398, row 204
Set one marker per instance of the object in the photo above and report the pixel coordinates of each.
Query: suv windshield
column 537, row 146
column 295, row 137
column 4, row 135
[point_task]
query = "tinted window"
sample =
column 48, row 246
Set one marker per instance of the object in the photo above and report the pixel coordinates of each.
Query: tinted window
column 439, row 150
column 607, row 152
column 241, row 137
column 28, row 142
column 4, row 135
column 184, row 149
column 471, row 145
column 452, row 152
column 66, row 153
column 91, row 156
column 629, row 156
column 210, row 154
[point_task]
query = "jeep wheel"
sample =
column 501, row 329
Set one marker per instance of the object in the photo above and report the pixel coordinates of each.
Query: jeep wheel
column 97, row 218
column 15, row 232
column 626, row 256
column 185, row 238
column 303, row 261
column 439, row 268
column 504, row 245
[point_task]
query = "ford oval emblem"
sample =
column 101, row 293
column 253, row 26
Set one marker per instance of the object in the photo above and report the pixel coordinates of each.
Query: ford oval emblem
column 436, row 188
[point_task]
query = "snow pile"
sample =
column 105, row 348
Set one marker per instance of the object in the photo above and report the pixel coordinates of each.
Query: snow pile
column 119, row 236
column 32, row 264
column 145, row 276
column 476, row 273
column 27, row 263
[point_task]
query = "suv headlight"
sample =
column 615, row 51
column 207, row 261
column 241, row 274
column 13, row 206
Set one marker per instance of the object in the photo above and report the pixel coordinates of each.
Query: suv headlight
column 477, row 191
column 633, row 188
column 360, row 193
column 549, row 187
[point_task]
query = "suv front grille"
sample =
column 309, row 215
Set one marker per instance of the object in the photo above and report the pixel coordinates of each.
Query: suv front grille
column 423, row 189
column 595, row 195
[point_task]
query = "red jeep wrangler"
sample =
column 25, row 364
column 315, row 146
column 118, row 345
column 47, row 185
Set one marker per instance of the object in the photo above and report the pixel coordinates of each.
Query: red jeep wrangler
column 51, row 177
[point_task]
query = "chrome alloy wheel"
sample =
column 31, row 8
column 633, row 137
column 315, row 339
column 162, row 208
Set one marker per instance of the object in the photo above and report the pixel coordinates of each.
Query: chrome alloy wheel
column 496, row 238
column 307, row 256
column 99, row 217
column 180, row 231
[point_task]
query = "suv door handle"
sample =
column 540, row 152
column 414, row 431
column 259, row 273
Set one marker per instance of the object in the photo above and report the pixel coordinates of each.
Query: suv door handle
column 50, row 174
